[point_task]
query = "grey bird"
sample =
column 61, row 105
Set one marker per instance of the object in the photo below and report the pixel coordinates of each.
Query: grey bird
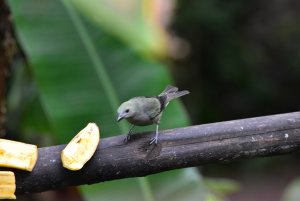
column 144, row 111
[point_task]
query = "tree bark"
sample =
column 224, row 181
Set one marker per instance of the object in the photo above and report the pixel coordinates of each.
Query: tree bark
column 177, row 148
column 6, row 41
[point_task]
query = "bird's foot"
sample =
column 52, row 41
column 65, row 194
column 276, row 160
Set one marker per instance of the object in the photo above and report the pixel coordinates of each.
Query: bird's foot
column 127, row 138
column 153, row 140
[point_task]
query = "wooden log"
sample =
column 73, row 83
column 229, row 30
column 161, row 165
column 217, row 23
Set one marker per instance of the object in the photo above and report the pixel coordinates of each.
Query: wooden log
column 177, row 148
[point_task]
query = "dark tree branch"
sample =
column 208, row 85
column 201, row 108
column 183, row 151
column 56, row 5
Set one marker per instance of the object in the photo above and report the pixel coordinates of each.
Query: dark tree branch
column 7, row 51
column 177, row 148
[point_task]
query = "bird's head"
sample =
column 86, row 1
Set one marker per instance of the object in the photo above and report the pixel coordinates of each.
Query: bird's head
column 126, row 110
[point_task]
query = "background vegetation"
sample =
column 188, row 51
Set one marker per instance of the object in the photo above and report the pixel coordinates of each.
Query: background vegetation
column 83, row 58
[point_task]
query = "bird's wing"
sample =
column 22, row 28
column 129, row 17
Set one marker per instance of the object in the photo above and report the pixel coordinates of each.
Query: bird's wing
column 163, row 102
column 169, row 94
column 152, row 107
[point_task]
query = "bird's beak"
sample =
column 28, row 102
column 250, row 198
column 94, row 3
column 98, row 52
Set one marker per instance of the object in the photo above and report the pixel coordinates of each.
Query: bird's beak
column 120, row 117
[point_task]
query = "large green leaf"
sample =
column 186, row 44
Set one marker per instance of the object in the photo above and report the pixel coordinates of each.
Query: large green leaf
column 139, row 23
column 82, row 75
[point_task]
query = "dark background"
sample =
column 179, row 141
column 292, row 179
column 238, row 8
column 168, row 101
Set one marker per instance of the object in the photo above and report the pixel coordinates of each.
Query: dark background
column 244, row 61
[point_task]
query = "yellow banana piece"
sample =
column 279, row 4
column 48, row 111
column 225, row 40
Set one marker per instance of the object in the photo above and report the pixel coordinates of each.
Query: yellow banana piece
column 18, row 155
column 7, row 185
column 81, row 148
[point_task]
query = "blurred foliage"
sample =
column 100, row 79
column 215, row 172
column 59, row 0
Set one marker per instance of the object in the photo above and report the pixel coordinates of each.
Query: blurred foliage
column 138, row 23
column 244, row 56
column 76, row 65
column 292, row 192
column 80, row 72
column 221, row 187
column 243, row 62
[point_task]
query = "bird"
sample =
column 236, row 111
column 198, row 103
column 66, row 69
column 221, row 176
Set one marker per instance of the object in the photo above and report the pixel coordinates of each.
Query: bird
column 144, row 111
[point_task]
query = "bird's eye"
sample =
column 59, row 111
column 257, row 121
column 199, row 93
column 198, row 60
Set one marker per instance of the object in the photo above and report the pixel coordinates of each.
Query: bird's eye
column 127, row 110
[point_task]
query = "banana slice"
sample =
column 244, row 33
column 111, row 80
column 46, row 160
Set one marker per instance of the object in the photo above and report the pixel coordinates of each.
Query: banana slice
column 81, row 148
column 7, row 185
column 17, row 155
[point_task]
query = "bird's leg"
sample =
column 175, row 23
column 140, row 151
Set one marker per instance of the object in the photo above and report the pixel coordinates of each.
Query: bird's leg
column 127, row 138
column 154, row 140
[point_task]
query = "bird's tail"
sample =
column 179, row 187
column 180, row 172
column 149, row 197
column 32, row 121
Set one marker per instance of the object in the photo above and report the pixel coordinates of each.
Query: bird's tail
column 171, row 93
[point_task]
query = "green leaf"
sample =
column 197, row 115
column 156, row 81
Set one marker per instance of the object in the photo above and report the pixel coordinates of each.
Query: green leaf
column 221, row 187
column 139, row 23
column 82, row 75
column 292, row 192
column 177, row 185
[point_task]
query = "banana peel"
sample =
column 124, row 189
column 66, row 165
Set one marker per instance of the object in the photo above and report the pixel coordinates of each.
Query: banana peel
column 81, row 148
column 17, row 155
column 7, row 185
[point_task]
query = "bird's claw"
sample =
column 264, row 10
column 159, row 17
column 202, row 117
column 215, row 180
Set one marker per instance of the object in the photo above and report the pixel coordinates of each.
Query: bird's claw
column 126, row 139
column 153, row 140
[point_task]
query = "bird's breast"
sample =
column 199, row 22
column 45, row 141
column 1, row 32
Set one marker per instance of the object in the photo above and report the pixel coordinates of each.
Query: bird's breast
column 140, row 121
